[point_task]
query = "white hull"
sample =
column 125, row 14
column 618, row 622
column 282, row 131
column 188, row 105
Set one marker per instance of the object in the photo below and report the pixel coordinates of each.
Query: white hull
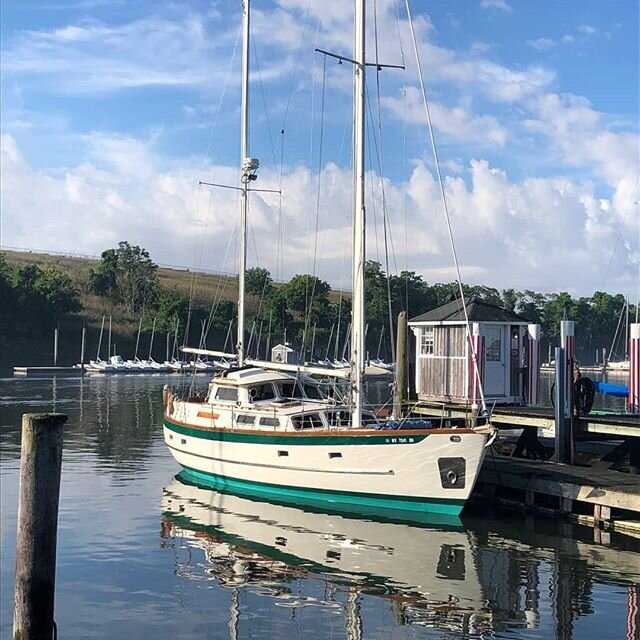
column 423, row 470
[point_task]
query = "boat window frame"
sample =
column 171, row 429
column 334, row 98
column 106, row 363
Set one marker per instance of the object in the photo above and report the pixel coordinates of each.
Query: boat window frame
column 225, row 388
column 311, row 416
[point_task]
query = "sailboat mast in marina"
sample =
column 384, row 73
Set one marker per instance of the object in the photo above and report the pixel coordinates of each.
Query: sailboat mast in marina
column 267, row 429
column 358, row 303
column 247, row 172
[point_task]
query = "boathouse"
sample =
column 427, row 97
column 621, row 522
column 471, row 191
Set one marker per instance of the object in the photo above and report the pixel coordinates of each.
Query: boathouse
column 285, row 354
column 445, row 368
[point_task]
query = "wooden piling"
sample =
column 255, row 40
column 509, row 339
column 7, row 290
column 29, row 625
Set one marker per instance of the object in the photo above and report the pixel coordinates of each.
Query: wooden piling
column 40, row 466
column 400, row 391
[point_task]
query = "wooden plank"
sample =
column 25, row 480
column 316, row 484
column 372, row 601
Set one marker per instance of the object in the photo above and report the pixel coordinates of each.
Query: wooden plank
column 607, row 489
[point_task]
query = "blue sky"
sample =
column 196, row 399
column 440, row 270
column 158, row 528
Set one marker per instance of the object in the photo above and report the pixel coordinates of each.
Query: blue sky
column 112, row 112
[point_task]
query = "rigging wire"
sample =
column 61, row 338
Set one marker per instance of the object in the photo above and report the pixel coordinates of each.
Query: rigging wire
column 404, row 157
column 317, row 216
column 474, row 355
column 621, row 228
column 385, row 210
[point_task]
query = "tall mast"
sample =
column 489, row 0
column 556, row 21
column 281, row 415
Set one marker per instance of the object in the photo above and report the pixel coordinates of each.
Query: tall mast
column 358, row 304
column 244, row 180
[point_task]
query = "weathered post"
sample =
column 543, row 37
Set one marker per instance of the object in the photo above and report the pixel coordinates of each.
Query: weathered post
column 400, row 391
column 41, row 460
column 634, row 368
column 567, row 342
column 563, row 432
column 533, row 365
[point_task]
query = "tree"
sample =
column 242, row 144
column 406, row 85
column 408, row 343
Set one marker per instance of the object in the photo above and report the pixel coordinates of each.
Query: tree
column 258, row 281
column 126, row 275
column 35, row 299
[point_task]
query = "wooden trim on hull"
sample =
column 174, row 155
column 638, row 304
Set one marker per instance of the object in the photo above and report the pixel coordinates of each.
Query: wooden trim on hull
column 306, row 438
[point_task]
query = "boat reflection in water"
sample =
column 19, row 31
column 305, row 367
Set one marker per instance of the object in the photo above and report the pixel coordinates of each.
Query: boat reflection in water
column 427, row 573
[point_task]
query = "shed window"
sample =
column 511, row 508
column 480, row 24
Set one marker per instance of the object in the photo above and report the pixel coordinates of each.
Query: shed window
column 426, row 341
column 227, row 393
column 493, row 342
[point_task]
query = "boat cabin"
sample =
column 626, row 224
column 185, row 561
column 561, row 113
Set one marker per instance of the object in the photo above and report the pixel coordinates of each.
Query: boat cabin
column 445, row 369
column 252, row 397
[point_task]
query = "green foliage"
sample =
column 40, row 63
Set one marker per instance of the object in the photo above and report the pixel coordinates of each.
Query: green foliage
column 34, row 300
column 258, row 281
column 127, row 275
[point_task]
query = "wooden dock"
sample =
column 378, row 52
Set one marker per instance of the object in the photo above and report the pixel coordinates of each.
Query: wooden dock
column 514, row 417
column 601, row 496
column 595, row 495
column 46, row 371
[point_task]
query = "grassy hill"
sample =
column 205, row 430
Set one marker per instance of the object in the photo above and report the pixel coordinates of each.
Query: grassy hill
column 202, row 287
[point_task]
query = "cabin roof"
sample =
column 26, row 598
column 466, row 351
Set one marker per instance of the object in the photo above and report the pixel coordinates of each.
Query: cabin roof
column 477, row 310
column 250, row 376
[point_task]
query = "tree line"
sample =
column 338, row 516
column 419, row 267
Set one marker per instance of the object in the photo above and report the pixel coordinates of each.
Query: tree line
column 303, row 311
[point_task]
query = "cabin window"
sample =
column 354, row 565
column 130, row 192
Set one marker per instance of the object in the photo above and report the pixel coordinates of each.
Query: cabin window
column 339, row 418
column 260, row 392
column 245, row 419
column 227, row 393
column 426, row 342
column 269, row 422
column 290, row 390
column 307, row 421
column 312, row 392
column 493, row 342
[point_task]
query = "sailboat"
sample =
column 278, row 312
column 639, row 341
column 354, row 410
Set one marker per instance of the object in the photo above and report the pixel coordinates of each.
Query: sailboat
column 620, row 366
column 267, row 429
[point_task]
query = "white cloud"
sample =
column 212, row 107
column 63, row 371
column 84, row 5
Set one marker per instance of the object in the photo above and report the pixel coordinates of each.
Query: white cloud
column 93, row 57
column 481, row 47
column 542, row 233
column 587, row 29
column 542, row 44
column 500, row 5
column 576, row 130
column 453, row 122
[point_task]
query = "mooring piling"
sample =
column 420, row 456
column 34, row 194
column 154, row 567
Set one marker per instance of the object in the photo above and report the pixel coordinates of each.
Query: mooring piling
column 40, row 466
column 400, row 389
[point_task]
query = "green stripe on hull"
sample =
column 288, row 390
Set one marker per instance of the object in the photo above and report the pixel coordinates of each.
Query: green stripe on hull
column 406, row 508
column 228, row 435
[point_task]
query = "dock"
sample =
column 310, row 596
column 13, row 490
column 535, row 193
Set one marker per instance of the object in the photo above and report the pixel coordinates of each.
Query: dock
column 515, row 417
column 46, row 371
column 600, row 497
column 524, row 477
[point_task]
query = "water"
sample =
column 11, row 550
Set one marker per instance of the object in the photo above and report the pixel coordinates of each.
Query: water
column 143, row 555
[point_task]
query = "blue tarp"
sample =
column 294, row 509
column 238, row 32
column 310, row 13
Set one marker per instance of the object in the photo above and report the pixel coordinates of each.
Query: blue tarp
column 618, row 390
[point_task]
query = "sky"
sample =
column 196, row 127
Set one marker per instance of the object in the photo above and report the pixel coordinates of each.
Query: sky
column 115, row 111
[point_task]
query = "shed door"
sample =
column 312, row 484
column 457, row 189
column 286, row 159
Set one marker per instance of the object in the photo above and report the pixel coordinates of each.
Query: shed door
column 494, row 371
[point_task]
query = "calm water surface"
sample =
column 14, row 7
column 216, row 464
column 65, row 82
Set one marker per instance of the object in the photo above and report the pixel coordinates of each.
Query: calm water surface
column 142, row 554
